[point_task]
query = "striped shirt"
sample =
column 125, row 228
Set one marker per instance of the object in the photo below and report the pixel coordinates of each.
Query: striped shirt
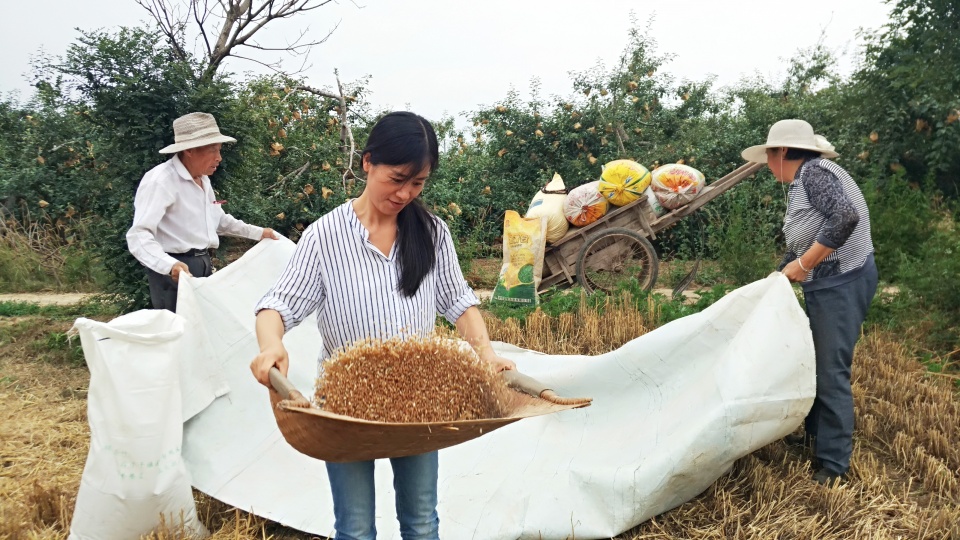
column 825, row 205
column 337, row 272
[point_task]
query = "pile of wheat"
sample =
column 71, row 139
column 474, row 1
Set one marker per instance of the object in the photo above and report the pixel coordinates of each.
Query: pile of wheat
column 411, row 380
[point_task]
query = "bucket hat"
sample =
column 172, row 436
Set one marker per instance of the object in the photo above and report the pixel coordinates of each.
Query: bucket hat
column 790, row 134
column 194, row 130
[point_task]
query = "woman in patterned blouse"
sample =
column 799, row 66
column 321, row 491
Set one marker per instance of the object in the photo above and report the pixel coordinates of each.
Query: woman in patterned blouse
column 830, row 253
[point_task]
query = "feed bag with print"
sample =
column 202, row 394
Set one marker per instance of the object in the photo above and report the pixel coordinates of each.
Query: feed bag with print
column 523, row 244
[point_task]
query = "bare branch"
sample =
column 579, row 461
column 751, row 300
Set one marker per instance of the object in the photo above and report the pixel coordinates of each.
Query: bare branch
column 243, row 21
column 346, row 134
column 222, row 27
column 295, row 174
column 296, row 46
column 170, row 24
column 317, row 91
column 201, row 19
column 275, row 66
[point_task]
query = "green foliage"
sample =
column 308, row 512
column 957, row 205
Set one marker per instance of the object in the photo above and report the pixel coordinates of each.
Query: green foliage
column 291, row 170
column 901, row 221
column 744, row 240
column 75, row 152
column 906, row 94
column 58, row 347
column 54, row 346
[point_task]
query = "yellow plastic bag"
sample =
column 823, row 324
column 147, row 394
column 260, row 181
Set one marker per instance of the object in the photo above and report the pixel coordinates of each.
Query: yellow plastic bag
column 523, row 244
column 623, row 181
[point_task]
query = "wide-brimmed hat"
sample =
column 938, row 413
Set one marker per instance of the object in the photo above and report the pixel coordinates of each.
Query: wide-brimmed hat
column 194, row 130
column 790, row 134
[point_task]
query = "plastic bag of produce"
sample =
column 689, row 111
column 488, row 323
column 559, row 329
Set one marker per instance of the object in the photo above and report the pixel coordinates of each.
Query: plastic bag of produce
column 523, row 241
column 655, row 206
column 134, row 478
column 548, row 202
column 585, row 204
column 676, row 184
column 623, row 181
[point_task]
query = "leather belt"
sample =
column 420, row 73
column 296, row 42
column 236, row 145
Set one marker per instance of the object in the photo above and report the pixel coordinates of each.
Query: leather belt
column 193, row 253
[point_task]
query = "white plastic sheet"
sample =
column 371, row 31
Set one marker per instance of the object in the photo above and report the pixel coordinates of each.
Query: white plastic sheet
column 672, row 411
column 134, row 472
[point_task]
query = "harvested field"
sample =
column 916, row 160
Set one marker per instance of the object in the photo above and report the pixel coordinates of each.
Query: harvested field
column 905, row 481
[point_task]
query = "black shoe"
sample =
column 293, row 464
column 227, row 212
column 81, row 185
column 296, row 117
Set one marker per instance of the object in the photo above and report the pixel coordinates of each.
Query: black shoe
column 798, row 441
column 826, row 477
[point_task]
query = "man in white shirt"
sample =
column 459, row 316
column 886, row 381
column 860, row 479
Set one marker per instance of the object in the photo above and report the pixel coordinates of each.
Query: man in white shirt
column 177, row 219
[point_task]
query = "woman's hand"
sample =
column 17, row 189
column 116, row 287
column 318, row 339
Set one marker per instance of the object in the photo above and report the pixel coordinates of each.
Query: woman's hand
column 472, row 329
column 794, row 272
column 500, row 363
column 268, row 358
column 272, row 352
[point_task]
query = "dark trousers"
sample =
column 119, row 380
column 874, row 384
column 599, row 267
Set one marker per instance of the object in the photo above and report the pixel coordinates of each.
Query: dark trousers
column 163, row 289
column 836, row 316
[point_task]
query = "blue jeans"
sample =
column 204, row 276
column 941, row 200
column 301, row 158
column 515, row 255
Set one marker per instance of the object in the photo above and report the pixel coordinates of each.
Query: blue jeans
column 415, row 483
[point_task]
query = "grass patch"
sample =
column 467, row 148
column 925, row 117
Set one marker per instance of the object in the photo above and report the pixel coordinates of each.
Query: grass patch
column 94, row 308
column 40, row 339
column 482, row 273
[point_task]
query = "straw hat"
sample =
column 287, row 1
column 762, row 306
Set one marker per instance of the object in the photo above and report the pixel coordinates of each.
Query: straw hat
column 194, row 130
column 790, row 134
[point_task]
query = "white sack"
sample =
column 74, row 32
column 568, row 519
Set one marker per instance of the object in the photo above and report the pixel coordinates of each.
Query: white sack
column 672, row 410
column 134, row 471
column 548, row 202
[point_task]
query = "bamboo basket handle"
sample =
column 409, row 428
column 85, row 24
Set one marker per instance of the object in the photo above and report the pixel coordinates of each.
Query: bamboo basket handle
column 291, row 396
column 529, row 385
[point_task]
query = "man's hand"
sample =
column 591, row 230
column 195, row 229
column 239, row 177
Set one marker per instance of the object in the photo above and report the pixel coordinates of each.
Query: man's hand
column 270, row 234
column 178, row 268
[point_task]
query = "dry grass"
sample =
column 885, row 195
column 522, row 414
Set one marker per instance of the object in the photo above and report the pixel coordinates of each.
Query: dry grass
column 40, row 255
column 483, row 273
column 903, row 484
column 580, row 332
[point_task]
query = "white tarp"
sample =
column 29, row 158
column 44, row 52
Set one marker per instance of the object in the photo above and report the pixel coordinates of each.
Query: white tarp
column 672, row 410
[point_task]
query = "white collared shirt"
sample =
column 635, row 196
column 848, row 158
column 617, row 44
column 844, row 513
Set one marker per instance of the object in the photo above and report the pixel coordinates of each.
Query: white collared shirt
column 338, row 273
column 172, row 214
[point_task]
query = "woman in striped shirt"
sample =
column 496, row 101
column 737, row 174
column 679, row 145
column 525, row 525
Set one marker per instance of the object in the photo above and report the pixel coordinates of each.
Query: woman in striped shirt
column 377, row 266
column 830, row 253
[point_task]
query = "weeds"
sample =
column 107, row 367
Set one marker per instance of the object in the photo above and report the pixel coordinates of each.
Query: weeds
column 40, row 255
column 95, row 308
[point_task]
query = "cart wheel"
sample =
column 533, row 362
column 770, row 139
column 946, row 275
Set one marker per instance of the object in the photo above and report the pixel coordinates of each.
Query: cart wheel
column 612, row 256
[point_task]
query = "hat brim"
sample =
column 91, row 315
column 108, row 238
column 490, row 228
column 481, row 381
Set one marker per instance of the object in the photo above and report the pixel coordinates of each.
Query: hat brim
column 758, row 153
column 179, row 147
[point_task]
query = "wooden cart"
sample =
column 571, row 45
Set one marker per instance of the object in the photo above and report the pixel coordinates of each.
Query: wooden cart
column 617, row 246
